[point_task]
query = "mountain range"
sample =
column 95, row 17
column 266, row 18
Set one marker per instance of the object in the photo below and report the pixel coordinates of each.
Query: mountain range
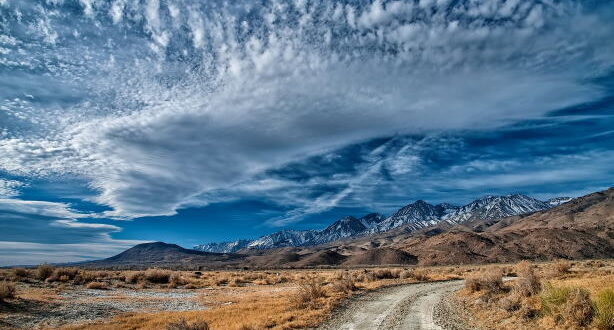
column 414, row 216
column 578, row 228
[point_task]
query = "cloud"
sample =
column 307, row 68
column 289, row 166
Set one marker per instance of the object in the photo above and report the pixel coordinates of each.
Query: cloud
column 25, row 253
column 35, row 232
column 49, row 222
column 205, row 96
column 9, row 188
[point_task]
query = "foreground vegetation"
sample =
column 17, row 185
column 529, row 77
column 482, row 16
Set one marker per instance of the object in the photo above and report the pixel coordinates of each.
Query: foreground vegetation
column 546, row 295
column 560, row 295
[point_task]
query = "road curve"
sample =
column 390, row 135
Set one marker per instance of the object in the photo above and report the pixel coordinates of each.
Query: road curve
column 408, row 306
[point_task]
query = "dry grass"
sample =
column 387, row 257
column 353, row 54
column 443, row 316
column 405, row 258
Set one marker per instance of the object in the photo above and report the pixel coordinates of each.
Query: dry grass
column 578, row 298
column 578, row 309
column 20, row 274
column 309, row 294
column 561, row 267
column 604, row 309
column 345, row 285
column 490, row 281
column 44, row 271
column 528, row 283
column 288, row 299
column 155, row 275
column 184, row 325
column 7, row 291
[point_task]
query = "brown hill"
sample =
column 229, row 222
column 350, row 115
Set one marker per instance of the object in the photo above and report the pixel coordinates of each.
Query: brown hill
column 579, row 229
column 382, row 256
column 320, row 258
column 159, row 254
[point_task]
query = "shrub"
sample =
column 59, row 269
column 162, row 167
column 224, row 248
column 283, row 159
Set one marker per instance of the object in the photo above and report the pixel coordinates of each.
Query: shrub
column 97, row 285
column 309, row 292
column 19, row 273
column 511, row 302
column 7, row 291
column 85, row 277
column 490, row 281
column 578, row 309
column 421, row 275
column 66, row 273
column 184, row 325
column 366, row 276
column 383, row 274
column 44, row 271
column 134, row 277
column 406, row 274
column 561, row 267
column 552, row 299
column 345, row 285
column 528, row 283
column 604, row 309
column 176, row 280
column 157, row 275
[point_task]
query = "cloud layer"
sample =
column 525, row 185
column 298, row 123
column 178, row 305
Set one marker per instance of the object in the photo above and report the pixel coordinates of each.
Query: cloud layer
column 159, row 105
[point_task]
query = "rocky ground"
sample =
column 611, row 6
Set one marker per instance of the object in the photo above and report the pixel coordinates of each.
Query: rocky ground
column 80, row 305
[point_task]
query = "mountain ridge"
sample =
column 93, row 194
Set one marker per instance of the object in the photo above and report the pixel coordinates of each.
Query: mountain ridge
column 412, row 217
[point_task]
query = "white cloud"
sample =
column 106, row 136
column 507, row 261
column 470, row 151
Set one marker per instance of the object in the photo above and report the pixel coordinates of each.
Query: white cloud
column 24, row 253
column 9, row 188
column 42, row 208
column 241, row 95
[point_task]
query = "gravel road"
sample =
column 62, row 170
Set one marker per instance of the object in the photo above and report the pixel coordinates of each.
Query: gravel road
column 413, row 306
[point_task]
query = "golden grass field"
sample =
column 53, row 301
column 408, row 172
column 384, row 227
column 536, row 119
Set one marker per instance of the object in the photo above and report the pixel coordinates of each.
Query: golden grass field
column 289, row 299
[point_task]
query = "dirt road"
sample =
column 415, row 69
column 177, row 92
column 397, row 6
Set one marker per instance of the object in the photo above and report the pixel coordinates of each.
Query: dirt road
column 410, row 306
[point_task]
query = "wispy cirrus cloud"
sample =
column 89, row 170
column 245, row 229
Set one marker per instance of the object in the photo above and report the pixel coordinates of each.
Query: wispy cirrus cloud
column 38, row 231
column 159, row 104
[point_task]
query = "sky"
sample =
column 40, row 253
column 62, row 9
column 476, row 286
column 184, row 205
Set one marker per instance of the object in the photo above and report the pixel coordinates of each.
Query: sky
column 185, row 121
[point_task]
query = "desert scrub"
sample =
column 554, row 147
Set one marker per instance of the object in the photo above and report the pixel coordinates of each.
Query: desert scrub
column 345, row 285
column 44, row 271
column 578, row 309
column 154, row 275
column 64, row 274
column 19, row 273
column 420, row 275
column 528, row 283
column 490, row 281
column 176, row 280
column 561, row 267
column 7, row 291
column 134, row 277
column 604, row 309
column 552, row 298
column 309, row 293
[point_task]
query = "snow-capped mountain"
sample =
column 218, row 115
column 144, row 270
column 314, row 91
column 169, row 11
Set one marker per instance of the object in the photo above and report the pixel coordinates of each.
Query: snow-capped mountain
column 420, row 213
column 342, row 228
column 284, row 238
column 370, row 220
column 495, row 207
column 414, row 216
column 223, row 247
column 558, row 201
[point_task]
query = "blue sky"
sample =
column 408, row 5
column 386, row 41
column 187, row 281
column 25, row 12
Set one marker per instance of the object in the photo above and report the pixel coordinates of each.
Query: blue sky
column 124, row 121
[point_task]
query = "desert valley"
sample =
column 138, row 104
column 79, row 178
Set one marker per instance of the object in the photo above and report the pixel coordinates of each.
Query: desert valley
column 549, row 269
